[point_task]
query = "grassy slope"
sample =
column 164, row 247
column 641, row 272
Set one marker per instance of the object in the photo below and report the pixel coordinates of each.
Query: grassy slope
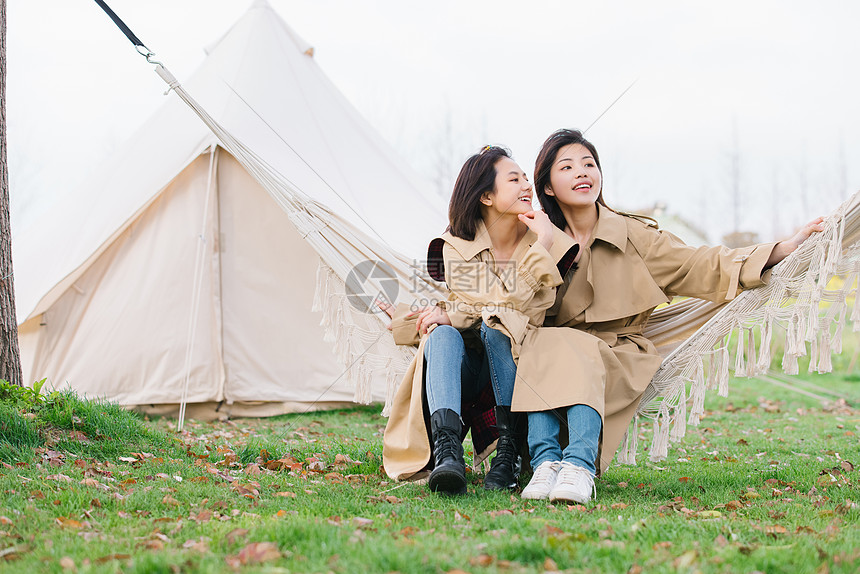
column 742, row 492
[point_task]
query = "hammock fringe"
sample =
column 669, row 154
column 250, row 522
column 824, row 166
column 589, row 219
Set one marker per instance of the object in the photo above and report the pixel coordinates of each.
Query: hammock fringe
column 801, row 297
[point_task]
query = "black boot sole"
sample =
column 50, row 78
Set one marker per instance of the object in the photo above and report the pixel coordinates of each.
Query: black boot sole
column 447, row 482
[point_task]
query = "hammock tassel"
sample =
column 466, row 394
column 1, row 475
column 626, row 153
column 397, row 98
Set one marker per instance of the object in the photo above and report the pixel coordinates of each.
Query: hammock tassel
column 740, row 368
column 679, row 427
column 825, row 362
column 713, row 370
column 627, row 452
column 801, row 334
column 723, row 375
column 697, row 394
column 751, row 360
column 660, row 445
column 812, row 323
column 632, row 440
column 763, row 363
column 813, row 355
column 789, row 364
column 836, row 339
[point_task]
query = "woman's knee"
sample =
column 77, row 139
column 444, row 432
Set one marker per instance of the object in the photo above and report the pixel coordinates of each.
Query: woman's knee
column 444, row 335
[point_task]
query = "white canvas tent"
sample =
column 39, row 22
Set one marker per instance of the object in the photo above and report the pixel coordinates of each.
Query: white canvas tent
column 173, row 259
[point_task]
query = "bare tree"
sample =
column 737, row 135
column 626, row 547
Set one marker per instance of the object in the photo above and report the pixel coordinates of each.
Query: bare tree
column 10, row 359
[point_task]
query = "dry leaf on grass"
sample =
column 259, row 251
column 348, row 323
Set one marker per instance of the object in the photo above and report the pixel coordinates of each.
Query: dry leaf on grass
column 236, row 534
column 483, row 560
column 58, row 477
column 68, row 522
column 257, row 553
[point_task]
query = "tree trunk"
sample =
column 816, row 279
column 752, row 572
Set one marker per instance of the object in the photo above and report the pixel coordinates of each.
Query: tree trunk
column 10, row 359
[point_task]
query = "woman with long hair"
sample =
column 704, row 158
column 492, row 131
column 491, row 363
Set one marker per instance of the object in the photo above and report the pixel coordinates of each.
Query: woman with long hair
column 589, row 366
column 499, row 260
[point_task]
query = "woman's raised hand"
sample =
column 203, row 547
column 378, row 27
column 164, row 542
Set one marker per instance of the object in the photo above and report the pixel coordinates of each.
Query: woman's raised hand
column 429, row 316
column 538, row 221
column 784, row 248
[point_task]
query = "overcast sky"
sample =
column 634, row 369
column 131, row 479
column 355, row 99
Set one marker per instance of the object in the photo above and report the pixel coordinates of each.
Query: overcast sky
column 440, row 79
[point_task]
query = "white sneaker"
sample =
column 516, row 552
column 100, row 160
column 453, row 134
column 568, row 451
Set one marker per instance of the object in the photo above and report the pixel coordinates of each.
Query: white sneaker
column 542, row 481
column 573, row 483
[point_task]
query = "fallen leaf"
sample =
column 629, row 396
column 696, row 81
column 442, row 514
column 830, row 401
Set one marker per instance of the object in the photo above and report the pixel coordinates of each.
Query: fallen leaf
column 362, row 522
column 710, row 514
column 685, row 560
column 619, row 506
column 169, row 501
column 684, row 479
column 550, row 530
column 483, row 560
column 58, row 477
column 549, row 565
column 67, row 563
column 111, row 558
column 198, row 545
column 234, row 535
column 156, row 545
column 68, row 522
column 775, row 529
column 503, row 512
column 93, row 483
column 286, row 494
column 253, row 469
column 258, row 552
column 14, row 552
column 5, row 521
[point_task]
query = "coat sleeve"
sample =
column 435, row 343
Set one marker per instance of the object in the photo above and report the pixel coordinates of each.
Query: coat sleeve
column 479, row 294
column 404, row 328
column 711, row 273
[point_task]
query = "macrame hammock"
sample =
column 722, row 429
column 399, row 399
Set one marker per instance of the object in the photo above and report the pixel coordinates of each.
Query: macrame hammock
column 807, row 297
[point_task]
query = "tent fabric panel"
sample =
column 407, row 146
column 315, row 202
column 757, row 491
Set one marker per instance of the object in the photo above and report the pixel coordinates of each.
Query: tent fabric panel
column 273, row 342
column 121, row 331
column 28, row 342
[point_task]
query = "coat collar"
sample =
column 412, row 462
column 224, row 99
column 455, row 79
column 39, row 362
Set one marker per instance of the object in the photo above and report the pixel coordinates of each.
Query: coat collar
column 563, row 251
column 611, row 228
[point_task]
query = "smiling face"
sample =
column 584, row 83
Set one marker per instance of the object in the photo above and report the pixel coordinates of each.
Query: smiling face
column 575, row 179
column 512, row 191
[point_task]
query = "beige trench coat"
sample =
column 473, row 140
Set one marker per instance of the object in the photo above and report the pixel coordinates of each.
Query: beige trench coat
column 592, row 350
column 511, row 298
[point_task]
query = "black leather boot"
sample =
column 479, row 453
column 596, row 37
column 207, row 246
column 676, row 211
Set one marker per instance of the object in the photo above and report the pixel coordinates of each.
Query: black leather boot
column 449, row 473
column 504, row 471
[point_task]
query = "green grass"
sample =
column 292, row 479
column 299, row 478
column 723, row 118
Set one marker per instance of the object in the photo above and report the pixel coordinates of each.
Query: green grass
column 742, row 492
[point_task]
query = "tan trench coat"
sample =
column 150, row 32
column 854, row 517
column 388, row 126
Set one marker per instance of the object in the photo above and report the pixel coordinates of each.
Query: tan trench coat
column 512, row 298
column 592, row 350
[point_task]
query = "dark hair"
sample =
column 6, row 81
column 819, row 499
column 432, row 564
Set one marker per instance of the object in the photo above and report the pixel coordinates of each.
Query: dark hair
column 543, row 167
column 478, row 176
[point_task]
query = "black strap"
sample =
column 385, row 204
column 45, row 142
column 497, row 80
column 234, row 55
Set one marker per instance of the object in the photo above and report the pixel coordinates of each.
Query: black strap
column 121, row 25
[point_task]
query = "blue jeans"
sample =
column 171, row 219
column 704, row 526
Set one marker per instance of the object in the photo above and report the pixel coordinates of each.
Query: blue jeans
column 583, row 423
column 455, row 374
column 452, row 372
column 503, row 370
